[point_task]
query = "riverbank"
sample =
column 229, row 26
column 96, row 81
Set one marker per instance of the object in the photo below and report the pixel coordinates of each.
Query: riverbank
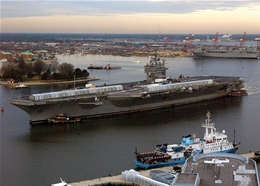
column 42, row 82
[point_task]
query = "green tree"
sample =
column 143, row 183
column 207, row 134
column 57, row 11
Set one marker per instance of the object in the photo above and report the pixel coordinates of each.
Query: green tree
column 46, row 75
column 14, row 74
column 54, row 66
column 78, row 72
column 8, row 66
column 10, row 70
column 22, row 66
column 81, row 73
column 56, row 76
column 29, row 70
column 39, row 66
column 85, row 73
column 66, row 70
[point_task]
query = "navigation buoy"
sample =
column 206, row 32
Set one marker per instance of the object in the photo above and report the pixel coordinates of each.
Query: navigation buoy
column 2, row 109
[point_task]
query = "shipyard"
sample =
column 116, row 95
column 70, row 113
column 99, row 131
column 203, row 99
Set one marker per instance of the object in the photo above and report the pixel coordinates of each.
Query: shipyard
column 97, row 89
column 144, row 93
column 166, row 177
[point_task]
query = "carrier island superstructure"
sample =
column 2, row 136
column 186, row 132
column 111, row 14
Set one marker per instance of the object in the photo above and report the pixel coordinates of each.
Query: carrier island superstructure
column 156, row 92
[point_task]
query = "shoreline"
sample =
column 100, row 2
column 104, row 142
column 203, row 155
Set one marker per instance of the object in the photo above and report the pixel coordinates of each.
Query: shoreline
column 118, row 180
column 40, row 82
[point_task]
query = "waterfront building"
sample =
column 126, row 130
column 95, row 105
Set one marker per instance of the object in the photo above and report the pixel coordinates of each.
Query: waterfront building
column 26, row 55
column 6, row 55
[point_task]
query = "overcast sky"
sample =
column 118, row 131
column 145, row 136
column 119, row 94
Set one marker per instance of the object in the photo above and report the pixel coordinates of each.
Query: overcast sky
column 137, row 17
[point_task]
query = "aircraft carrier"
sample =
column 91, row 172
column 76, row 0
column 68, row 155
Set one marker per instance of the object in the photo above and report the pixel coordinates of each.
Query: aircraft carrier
column 156, row 92
column 238, row 53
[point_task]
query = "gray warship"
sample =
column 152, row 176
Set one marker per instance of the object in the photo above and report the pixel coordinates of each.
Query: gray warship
column 156, row 92
column 250, row 52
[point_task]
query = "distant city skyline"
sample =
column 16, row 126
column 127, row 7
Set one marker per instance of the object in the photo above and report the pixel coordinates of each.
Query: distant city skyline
column 130, row 17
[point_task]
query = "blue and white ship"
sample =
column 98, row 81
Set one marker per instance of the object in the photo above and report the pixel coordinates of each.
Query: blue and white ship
column 174, row 154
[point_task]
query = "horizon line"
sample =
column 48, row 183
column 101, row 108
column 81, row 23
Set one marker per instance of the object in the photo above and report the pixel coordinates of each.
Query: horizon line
column 123, row 33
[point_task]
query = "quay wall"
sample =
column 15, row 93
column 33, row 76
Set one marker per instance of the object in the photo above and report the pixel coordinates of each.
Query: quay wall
column 117, row 179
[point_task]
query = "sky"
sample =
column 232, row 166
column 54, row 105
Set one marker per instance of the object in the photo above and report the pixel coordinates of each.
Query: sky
column 131, row 17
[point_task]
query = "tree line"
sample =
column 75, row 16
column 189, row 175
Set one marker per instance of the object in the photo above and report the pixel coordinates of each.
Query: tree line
column 20, row 70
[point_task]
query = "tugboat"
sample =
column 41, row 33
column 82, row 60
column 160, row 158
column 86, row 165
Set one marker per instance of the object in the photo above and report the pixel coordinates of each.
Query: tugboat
column 166, row 155
column 238, row 93
column 63, row 118
column 257, row 153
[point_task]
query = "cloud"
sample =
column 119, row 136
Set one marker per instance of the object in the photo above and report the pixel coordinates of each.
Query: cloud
column 38, row 8
column 80, row 16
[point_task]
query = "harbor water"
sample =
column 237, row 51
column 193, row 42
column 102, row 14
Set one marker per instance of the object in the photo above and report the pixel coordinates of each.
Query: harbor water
column 41, row 155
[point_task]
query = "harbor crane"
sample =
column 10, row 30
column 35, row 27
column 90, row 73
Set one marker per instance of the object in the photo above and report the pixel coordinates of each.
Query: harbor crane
column 243, row 41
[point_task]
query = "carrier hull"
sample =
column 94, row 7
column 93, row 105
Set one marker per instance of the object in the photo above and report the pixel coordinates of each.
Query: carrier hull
column 234, row 55
column 128, row 100
column 238, row 53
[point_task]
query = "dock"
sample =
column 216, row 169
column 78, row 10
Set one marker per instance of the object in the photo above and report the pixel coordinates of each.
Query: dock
column 253, row 156
column 117, row 179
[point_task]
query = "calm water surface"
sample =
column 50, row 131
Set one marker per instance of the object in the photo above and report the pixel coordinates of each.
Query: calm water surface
column 40, row 155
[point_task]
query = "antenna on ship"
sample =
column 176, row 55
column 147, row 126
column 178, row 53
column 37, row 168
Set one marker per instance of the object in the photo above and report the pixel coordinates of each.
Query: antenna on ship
column 135, row 150
column 155, row 68
column 234, row 140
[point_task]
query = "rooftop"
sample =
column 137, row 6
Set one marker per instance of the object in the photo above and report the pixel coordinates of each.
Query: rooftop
column 223, row 169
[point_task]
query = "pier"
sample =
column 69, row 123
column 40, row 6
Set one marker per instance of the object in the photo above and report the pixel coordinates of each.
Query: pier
column 252, row 155
column 117, row 179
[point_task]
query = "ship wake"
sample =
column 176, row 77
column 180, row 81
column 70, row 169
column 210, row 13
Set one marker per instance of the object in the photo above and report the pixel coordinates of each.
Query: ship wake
column 253, row 86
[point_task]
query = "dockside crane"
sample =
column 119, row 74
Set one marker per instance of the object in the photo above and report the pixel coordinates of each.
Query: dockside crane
column 243, row 41
column 166, row 40
column 257, row 42
column 215, row 40
column 189, row 40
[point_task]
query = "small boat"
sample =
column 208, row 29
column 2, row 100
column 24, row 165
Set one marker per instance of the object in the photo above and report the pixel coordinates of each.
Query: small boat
column 238, row 93
column 175, row 154
column 107, row 67
column 163, row 155
column 257, row 153
column 62, row 183
column 20, row 86
column 95, row 67
column 63, row 118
